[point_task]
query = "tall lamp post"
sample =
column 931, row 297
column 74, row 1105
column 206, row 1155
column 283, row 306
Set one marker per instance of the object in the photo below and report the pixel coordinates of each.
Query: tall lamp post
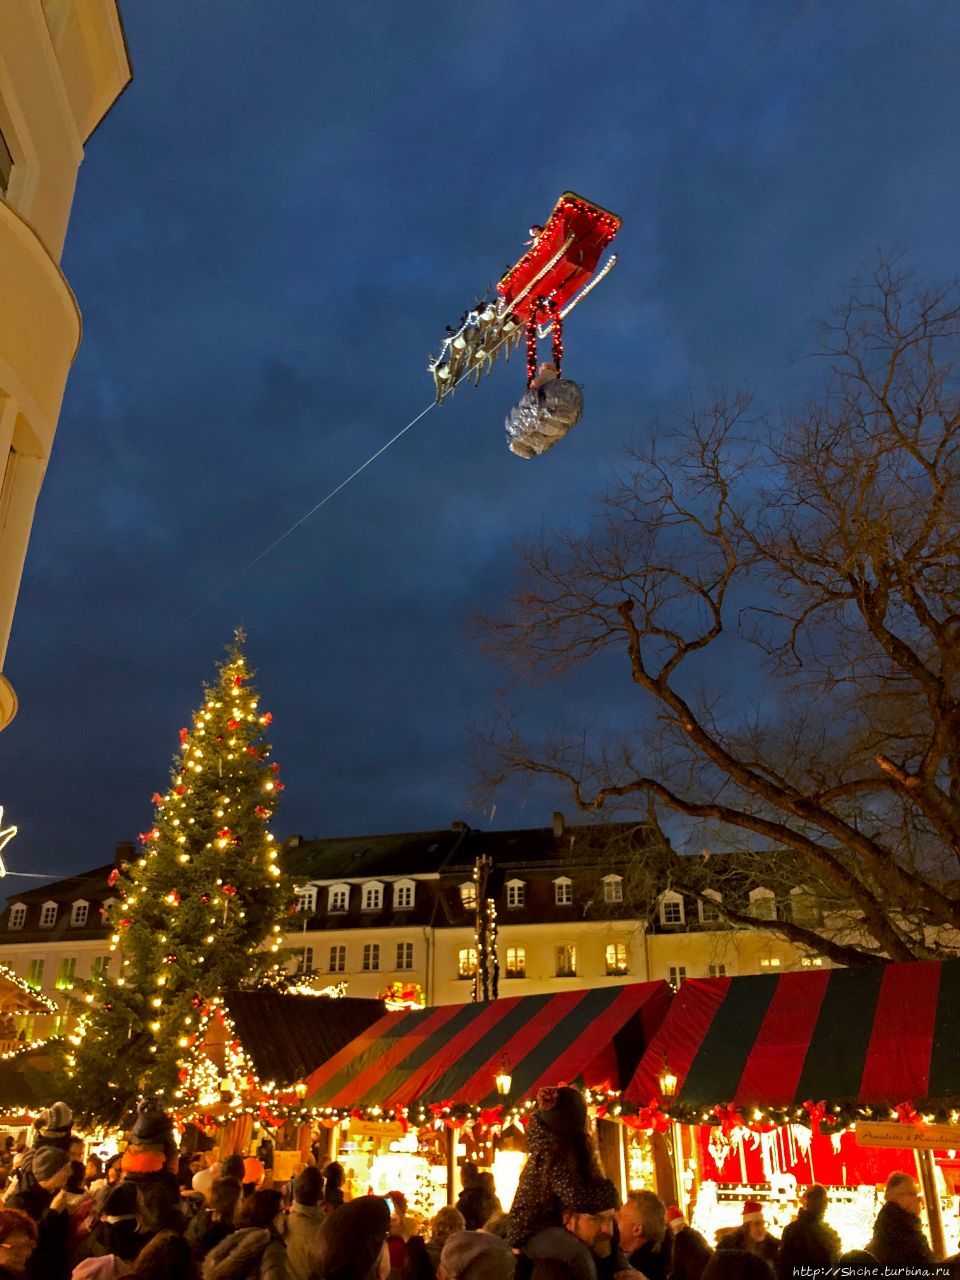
column 667, row 1081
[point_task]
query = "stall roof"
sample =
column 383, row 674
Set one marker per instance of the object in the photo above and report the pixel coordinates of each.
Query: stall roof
column 287, row 1036
column 875, row 1035
column 451, row 1054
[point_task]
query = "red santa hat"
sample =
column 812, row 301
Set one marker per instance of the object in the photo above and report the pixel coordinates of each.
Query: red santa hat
column 675, row 1218
column 752, row 1211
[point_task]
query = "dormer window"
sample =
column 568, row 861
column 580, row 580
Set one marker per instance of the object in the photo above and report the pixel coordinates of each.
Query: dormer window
column 710, row 907
column 613, row 888
column 105, row 910
column 48, row 915
column 338, row 898
column 306, row 900
column 403, row 895
column 763, row 904
column 18, row 915
column 372, row 896
column 468, row 895
column 563, row 891
column 78, row 914
column 516, row 894
column 671, row 909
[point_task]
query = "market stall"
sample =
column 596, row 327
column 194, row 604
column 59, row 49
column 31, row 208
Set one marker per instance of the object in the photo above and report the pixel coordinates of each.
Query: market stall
column 769, row 1083
column 470, row 1073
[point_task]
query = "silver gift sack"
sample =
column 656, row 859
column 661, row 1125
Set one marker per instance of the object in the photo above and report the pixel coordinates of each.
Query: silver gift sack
column 543, row 416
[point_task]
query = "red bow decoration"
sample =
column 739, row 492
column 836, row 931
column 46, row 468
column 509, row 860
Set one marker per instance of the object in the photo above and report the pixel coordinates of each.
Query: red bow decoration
column 181, row 791
column 261, row 812
column 602, row 1110
column 356, row 1115
column 817, row 1111
column 401, row 1119
column 224, row 834
column 156, row 798
column 237, row 681
column 125, row 923
column 113, row 877
column 490, row 1117
column 147, row 836
column 232, row 724
column 907, row 1113
column 651, row 1119
column 437, row 1109
column 279, row 786
column 275, row 768
column 729, row 1117
column 267, row 719
column 184, row 734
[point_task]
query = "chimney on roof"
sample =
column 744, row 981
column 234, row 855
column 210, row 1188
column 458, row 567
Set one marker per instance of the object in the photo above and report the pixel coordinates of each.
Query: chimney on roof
column 126, row 851
column 459, row 825
column 559, row 824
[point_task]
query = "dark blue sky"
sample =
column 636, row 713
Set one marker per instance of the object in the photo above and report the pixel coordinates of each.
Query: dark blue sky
column 271, row 230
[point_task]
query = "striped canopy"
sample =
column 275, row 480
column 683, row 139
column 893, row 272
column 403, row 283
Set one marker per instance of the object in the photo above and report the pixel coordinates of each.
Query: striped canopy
column 451, row 1054
column 876, row 1035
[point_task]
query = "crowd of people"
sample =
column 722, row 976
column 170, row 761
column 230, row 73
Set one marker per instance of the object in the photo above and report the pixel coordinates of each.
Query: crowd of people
column 151, row 1216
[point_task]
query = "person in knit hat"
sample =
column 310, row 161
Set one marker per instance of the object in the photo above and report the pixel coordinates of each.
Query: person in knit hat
column 753, row 1237
column 585, row 1247
column 53, row 1127
column 474, row 1255
column 151, row 1153
column 690, row 1253
column 352, row 1243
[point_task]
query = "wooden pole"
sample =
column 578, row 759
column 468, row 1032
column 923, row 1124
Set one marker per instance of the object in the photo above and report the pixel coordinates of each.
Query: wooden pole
column 451, row 1165
column 928, row 1184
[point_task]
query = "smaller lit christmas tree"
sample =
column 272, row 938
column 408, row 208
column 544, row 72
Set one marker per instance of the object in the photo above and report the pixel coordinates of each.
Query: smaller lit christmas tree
column 198, row 913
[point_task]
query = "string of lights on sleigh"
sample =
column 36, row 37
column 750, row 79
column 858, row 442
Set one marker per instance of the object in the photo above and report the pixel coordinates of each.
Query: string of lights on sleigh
column 560, row 268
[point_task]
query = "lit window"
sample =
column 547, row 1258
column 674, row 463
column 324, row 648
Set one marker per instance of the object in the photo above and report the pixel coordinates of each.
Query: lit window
column 563, row 891
column 516, row 966
column 307, row 900
column 338, row 959
column 68, row 973
column 48, row 915
column 371, row 957
column 403, row 895
column 18, row 915
column 305, row 960
column 516, row 894
column 677, row 974
column 769, row 962
column 372, row 897
column 763, row 904
column 613, row 888
column 811, row 962
column 468, row 895
column 100, row 967
column 78, row 915
column 616, row 958
column 671, row 910
column 404, row 955
column 466, row 962
column 35, row 974
column 339, row 897
column 566, row 960
column 717, row 971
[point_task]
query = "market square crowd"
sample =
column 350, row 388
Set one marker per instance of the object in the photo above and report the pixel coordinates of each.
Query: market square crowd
column 151, row 1215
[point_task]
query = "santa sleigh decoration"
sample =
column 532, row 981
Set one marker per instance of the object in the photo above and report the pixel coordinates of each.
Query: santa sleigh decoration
column 561, row 266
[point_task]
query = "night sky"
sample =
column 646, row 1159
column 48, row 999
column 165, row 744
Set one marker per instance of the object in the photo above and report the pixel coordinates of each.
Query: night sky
column 271, row 230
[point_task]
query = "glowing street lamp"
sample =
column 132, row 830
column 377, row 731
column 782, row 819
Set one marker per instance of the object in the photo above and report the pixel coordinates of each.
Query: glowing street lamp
column 504, row 1078
column 668, row 1083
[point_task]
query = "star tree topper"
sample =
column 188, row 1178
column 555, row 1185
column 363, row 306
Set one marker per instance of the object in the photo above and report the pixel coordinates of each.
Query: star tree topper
column 6, row 835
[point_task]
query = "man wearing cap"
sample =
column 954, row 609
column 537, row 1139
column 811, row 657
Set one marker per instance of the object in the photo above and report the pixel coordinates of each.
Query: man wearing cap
column 753, row 1237
column 690, row 1253
column 586, row 1244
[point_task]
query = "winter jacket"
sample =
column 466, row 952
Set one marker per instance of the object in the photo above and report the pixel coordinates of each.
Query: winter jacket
column 652, row 1259
column 253, row 1253
column 807, row 1241
column 767, row 1249
column 477, row 1206
column 205, row 1232
column 303, row 1228
column 535, row 1206
column 689, row 1256
column 898, row 1239
column 107, row 1267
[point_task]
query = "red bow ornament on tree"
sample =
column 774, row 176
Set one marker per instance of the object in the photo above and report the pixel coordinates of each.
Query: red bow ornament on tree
column 907, row 1113
column 817, row 1111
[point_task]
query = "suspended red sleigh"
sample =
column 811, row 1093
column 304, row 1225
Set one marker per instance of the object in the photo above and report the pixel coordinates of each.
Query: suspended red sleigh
column 559, row 269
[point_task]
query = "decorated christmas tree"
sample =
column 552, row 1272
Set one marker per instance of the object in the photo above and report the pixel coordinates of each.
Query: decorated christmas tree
column 197, row 913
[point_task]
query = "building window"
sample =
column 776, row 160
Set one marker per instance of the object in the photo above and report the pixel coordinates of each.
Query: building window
column 372, row 897
column 676, row 975
column 567, row 960
column 68, row 973
column 339, row 897
column 516, row 894
column 613, row 888
column 717, row 970
column 466, row 962
column 516, row 966
column 811, row 962
column 307, row 900
column 763, row 904
column 18, row 915
column 616, row 958
column 468, row 895
column 563, row 891
column 769, row 962
column 6, row 166
column 100, row 967
column 48, row 915
column 304, row 960
column 404, row 955
column 35, row 974
column 710, row 907
column 403, row 895
column 671, row 909
column 371, row 957
column 78, row 916
column 338, row 959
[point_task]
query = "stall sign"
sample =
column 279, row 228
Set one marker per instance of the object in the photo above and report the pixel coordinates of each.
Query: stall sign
column 927, row 1137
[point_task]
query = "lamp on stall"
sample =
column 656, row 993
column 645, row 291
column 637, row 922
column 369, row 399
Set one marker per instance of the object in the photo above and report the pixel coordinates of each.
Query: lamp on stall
column 504, row 1078
column 300, row 1089
column 667, row 1081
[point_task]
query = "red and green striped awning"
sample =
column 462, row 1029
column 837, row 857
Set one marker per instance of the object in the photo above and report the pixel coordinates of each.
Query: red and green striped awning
column 876, row 1035
column 451, row 1054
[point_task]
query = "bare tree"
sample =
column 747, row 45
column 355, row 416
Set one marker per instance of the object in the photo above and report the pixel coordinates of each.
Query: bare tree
column 784, row 601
